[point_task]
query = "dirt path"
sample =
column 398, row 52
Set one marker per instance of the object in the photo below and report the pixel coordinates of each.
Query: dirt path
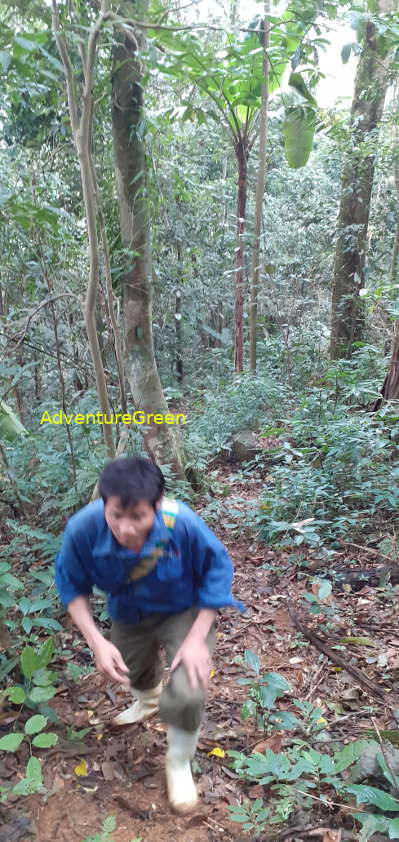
column 124, row 772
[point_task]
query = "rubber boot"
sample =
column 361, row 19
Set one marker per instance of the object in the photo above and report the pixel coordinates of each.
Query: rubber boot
column 146, row 704
column 182, row 792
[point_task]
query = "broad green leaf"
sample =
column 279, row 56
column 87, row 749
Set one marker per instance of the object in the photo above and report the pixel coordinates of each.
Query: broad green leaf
column 252, row 660
column 393, row 828
column 43, row 677
column 4, row 567
column 370, row 825
column 10, row 425
column 283, row 719
column 371, row 795
column 45, row 740
column 6, row 600
column 24, row 604
column 8, row 666
column 46, row 652
column 16, row 695
column 27, row 786
column 27, row 624
column 325, row 589
column 34, row 769
column 5, row 61
column 298, row 132
column 345, row 53
column 11, row 742
column 272, row 686
column 35, row 724
column 47, row 623
column 248, row 709
column 297, row 82
column 7, row 579
column 349, row 754
column 29, row 44
column 29, row 661
column 42, row 694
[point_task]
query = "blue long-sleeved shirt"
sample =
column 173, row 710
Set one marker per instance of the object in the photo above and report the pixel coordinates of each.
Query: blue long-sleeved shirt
column 193, row 570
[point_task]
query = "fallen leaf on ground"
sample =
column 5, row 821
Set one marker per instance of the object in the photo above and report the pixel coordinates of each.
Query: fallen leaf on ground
column 82, row 769
column 217, row 752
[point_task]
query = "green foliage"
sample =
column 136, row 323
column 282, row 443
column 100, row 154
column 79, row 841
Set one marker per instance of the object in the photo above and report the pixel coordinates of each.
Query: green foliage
column 338, row 473
column 107, row 828
column 252, row 815
column 37, row 688
column 230, row 77
column 236, row 405
column 301, row 768
column 298, row 131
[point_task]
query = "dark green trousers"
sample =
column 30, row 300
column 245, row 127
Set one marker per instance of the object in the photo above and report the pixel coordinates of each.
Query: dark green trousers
column 139, row 645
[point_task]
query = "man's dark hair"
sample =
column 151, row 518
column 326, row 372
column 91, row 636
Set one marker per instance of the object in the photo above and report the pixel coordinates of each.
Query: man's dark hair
column 132, row 480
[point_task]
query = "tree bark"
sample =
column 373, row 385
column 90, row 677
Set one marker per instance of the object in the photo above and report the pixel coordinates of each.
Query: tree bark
column 242, row 158
column 347, row 317
column 260, row 189
column 82, row 125
column 161, row 441
column 394, row 269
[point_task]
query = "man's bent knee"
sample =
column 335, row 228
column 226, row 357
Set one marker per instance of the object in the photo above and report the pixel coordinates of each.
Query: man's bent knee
column 182, row 706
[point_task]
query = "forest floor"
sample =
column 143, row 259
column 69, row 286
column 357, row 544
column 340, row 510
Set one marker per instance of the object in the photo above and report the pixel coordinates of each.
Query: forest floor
column 123, row 772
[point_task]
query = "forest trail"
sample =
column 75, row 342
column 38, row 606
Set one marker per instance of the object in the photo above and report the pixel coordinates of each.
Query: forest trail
column 121, row 774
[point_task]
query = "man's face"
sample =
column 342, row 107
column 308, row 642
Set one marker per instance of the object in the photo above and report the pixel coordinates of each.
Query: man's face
column 131, row 525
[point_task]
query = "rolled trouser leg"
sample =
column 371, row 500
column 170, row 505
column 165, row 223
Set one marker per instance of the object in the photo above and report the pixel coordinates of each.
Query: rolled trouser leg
column 182, row 792
column 182, row 707
column 140, row 651
column 180, row 704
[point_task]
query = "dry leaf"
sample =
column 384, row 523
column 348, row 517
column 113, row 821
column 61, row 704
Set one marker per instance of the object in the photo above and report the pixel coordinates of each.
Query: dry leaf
column 108, row 769
column 217, row 752
column 274, row 743
column 58, row 784
column 82, row 769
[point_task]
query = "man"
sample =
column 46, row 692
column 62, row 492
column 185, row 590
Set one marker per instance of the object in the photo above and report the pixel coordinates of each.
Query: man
column 166, row 576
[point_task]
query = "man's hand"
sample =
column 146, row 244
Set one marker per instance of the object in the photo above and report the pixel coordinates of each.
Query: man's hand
column 194, row 654
column 109, row 661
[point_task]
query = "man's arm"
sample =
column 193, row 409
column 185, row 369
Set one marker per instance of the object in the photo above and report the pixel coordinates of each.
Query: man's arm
column 109, row 660
column 73, row 580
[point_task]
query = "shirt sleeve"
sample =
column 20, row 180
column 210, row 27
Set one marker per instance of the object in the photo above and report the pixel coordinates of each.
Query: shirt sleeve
column 212, row 566
column 71, row 576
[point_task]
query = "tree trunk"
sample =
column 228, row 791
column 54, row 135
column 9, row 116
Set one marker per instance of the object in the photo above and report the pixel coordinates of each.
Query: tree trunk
column 390, row 386
column 260, row 189
column 81, row 115
column 242, row 156
column 179, row 337
column 393, row 273
column 347, row 317
column 161, row 441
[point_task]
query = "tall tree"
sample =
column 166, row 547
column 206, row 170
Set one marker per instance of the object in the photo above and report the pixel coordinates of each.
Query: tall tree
column 161, row 441
column 260, row 189
column 130, row 167
column 390, row 386
column 347, row 315
column 230, row 77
